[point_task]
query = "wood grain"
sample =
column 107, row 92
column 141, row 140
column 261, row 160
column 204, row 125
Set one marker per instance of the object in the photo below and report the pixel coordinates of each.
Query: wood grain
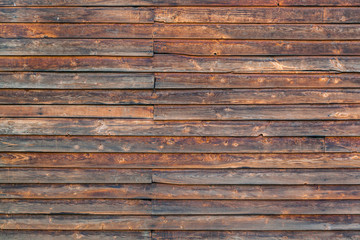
column 261, row 235
column 258, row 81
column 348, row 3
column 256, row 15
column 138, row 3
column 43, row 80
column 83, row 206
column 83, row 47
column 257, row 112
column 202, row 160
column 231, row 207
column 341, row 144
column 65, row 235
column 129, row 127
column 257, row 177
column 162, row 144
column 34, row 175
column 177, row 63
column 75, row 31
column 77, row 15
column 258, row 31
column 171, row 192
column 255, row 47
column 76, row 111
column 213, row 97
column 296, row 222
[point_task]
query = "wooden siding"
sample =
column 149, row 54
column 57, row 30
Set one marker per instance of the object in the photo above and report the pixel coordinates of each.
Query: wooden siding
column 179, row 119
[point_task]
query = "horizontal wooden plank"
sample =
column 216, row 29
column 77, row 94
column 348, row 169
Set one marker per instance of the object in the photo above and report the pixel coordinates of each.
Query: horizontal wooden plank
column 161, row 144
column 223, row 96
column 164, row 191
column 75, row 31
column 178, row 63
column 43, row 80
column 77, row 15
column 68, row 222
column 257, row 112
column 136, row 160
column 258, row 31
column 66, row 235
column 53, row 175
column 257, row 15
column 91, row 47
column 348, row 3
column 83, row 206
column 258, row 177
column 192, row 31
column 255, row 47
column 231, row 207
column 76, row 111
column 201, row 80
column 201, row 177
column 137, row 3
column 178, row 207
column 128, row 127
column 342, row 144
column 260, row 235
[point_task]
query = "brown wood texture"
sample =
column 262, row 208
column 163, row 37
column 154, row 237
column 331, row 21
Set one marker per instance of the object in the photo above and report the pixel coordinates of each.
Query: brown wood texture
column 176, row 160
column 179, row 119
column 43, row 80
column 120, row 127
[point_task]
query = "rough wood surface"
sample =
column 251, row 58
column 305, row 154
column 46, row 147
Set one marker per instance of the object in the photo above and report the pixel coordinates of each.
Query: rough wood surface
column 257, row 15
column 43, row 80
column 77, row 15
column 202, row 160
column 171, row 192
column 151, row 97
column 66, row 235
column 76, row 111
column 258, row 31
column 281, row 222
column 75, row 31
column 179, row 119
column 256, row 47
column 257, row 112
column 18, row 175
column 215, row 81
column 261, row 235
column 162, row 144
column 138, row 3
column 129, row 127
column 81, row 47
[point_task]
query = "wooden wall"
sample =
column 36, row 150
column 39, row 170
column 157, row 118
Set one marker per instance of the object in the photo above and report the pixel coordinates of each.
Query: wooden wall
column 179, row 119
